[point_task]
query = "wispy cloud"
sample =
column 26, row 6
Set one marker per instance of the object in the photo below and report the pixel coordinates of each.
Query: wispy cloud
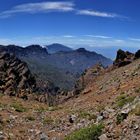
column 99, row 36
column 119, row 41
column 39, row 7
column 61, row 6
column 98, row 14
column 68, row 36
column 135, row 39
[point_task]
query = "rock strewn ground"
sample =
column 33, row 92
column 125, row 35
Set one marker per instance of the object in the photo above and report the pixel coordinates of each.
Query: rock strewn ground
column 113, row 99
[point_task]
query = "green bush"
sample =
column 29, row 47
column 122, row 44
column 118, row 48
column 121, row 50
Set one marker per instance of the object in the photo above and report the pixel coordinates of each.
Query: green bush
column 88, row 133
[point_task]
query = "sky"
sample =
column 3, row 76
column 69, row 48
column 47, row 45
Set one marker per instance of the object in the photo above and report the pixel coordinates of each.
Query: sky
column 98, row 25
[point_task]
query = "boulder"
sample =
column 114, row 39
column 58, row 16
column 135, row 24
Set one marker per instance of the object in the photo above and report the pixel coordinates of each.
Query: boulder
column 103, row 137
column 123, row 58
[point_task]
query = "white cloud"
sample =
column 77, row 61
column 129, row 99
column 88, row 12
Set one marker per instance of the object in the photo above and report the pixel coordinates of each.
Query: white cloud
column 135, row 39
column 98, row 14
column 68, row 36
column 39, row 7
column 61, row 6
column 99, row 36
column 119, row 41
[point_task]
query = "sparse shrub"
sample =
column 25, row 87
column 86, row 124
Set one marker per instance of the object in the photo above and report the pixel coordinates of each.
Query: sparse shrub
column 2, row 105
column 100, row 108
column 19, row 107
column 83, row 114
column 92, row 117
column 1, row 95
column 136, row 110
column 124, row 99
column 1, row 127
column 41, row 109
column 48, row 121
column 89, row 116
column 88, row 133
column 119, row 119
column 54, row 108
column 30, row 118
column 137, row 90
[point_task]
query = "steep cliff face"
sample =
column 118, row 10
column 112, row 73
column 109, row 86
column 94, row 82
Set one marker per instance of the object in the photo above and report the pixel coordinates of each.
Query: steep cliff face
column 14, row 75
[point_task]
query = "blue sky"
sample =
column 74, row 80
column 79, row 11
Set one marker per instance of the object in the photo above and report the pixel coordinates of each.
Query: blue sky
column 100, row 25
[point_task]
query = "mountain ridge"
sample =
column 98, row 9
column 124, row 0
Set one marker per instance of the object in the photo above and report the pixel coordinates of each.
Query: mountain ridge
column 61, row 68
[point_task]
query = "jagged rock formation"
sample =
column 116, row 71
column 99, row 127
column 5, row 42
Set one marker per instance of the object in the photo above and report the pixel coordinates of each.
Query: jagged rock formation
column 15, row 77
column 123, row 58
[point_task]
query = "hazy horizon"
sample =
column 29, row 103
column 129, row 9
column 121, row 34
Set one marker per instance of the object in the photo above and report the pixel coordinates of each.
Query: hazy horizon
column 107, row 52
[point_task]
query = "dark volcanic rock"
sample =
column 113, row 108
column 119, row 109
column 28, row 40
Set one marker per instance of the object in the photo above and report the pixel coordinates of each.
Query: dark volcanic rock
column 14, row 75
column 137, row 54
column 123, row 58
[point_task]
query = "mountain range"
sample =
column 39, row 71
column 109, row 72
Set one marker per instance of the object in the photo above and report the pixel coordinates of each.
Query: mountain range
column 57, row 63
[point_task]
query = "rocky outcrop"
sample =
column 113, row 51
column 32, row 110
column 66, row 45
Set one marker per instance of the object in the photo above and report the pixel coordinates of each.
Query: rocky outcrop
column 137, row 54
column 87, row 76
column 15, row 77
column 123, row 58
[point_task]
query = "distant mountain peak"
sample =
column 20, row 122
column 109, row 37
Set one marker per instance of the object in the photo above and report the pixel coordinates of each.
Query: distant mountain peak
column 81, row 50
column 56, row 47
column 36, row 49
